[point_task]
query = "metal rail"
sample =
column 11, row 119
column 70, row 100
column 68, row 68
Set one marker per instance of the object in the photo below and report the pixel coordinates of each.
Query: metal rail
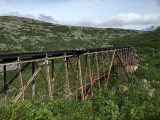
column 5, row 56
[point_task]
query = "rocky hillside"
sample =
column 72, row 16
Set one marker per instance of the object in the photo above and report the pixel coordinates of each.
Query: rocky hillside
column 151, row 28
column 24, row 34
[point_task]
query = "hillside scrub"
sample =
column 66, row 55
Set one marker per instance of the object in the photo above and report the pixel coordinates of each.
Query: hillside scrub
column 133, row 103
column 24, row 34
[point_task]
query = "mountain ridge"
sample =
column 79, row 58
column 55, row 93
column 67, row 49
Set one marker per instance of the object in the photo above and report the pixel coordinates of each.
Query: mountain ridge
column 151, row 28
column 25, row 34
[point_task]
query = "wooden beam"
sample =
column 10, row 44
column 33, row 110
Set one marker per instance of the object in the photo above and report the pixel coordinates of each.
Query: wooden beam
column 52, row 74
column 35, row 60
column 123, row 66
column 90, row 73
column 110, row 68
column 33, row 81
column 80, row 77
column 5, row 81
column 93, row 82
column 20, row 78
column 103, row 66
column 48, row 78
column 99, row 84
column 77, row 80
column 85, row 73
column 67, row 87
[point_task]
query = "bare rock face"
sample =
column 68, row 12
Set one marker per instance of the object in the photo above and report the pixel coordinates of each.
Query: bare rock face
column 146, row 83
column 151, row 28
column 3, row 47
column 8, row 67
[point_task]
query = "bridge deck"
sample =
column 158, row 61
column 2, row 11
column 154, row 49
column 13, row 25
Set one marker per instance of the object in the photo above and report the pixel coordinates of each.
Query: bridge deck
column 11, row 57
column 56, row 52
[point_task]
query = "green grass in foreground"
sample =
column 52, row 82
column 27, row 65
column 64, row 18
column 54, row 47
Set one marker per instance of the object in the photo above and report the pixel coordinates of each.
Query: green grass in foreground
column 134, row 103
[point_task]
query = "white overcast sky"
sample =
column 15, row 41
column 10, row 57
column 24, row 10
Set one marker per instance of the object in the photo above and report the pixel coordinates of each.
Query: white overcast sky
column 132, row 14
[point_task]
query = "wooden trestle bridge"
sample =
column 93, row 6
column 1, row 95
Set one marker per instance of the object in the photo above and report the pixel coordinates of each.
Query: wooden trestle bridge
column 65, row 73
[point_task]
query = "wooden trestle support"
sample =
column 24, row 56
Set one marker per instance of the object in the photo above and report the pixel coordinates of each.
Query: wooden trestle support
column 68, row 72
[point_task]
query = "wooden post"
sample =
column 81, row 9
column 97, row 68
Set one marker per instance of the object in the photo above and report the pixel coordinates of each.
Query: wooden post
column 108, row 59
column 5, row 81
column 123, row 66
column 129, row 55
column 133, row 63
column 110, row 68
column 77, row 80
column 20, row 78
column 134, row 60
column 116, row 65
column 126, row 57
column 80, row 77
column 85, row 73
column 67, row 88
column 48, row 78
column 33, row 81
column 52, row 75
column 129, row 64
column 103, row 65
column 90, row 74
column 99, row 84
column 123, row 62
column 123, row 56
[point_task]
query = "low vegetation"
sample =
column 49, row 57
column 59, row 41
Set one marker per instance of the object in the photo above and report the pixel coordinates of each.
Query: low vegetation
column 134, row 103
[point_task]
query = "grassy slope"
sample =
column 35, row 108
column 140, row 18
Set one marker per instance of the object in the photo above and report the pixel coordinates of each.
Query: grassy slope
column 23, row 34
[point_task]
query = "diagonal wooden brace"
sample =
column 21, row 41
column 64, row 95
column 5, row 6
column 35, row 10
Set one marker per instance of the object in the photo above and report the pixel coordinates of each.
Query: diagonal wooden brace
column 110, row 68
column 29, row 81
column 15, row 77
